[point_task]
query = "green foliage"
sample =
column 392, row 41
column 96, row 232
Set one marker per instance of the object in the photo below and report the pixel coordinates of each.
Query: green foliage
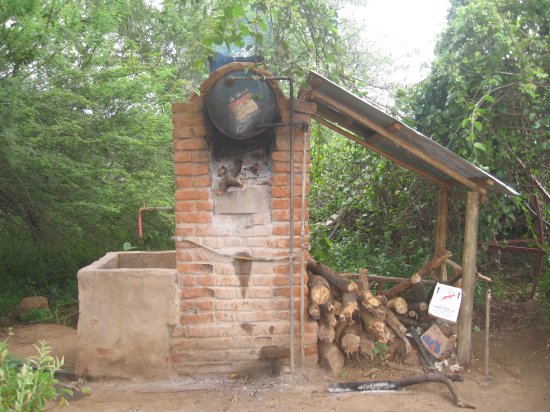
column 85, row 130
column 85, row 134
column 291, row 35
column 362, row 212
column 486, row 99
column 26, row 386
column 380, row 350
column 38, row 315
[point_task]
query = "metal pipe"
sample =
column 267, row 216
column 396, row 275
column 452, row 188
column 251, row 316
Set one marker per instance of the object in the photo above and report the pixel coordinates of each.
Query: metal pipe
column 291, row 248
column 487, row 327
column 146, row 208
column 302, row 254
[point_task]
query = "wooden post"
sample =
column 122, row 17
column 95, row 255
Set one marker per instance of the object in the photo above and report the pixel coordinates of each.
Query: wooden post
column 464, row 350
column 441, row 231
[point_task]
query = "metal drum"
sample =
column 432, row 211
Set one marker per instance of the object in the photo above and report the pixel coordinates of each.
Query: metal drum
column 241, row 108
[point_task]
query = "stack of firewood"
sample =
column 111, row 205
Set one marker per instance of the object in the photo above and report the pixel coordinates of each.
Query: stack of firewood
column 357, row 314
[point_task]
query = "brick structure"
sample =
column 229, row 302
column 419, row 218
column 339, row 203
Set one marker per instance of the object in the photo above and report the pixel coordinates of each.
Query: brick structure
column 230, row 309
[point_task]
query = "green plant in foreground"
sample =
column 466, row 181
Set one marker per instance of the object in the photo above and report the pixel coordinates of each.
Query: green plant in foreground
column 26, row 386
column 380, row 350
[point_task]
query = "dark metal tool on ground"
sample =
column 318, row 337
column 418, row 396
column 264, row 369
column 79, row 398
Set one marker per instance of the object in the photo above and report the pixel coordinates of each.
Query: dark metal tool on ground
column 373, row 386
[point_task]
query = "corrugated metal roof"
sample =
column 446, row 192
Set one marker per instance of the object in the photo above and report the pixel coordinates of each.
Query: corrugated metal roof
column 345, row 112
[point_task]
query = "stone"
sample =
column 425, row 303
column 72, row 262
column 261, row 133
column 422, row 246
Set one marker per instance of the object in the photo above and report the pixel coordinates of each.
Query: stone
column 32, row 303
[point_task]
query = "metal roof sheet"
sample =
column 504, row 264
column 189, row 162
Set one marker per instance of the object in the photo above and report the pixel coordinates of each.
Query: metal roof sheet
column 393, row 139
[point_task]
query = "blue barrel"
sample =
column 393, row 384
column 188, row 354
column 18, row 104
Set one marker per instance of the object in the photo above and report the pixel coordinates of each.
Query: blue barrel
column 241, row 108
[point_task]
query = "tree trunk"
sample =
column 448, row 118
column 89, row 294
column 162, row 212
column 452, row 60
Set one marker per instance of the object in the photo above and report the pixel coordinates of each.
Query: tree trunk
column 398, row 304
column 350, row 339
column 340, row 282
column 331, row 358
column 376, row 327
column 319, row 289
column 417, row 277
column 314, row 311
column 349, row 304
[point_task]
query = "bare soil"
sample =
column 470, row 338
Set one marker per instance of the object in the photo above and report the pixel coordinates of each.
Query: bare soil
column 519, row 379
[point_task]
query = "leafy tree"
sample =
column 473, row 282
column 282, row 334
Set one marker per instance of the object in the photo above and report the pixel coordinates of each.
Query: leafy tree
column 85, row 131
column 486, row 99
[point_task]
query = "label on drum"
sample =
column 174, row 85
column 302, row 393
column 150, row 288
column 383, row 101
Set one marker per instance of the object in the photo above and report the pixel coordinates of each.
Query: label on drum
column 243, row 105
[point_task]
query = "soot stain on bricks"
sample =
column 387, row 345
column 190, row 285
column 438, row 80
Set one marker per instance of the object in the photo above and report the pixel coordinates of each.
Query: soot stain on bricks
column 242, row 270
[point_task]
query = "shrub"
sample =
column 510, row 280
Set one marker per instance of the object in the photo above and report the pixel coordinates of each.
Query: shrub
column 26, row 386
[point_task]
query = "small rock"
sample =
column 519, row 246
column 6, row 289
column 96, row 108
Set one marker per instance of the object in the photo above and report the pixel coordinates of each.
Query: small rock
column 32, row 303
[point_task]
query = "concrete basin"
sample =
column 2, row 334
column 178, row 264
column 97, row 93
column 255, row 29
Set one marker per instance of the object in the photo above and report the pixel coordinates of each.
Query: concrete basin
column 129, row 303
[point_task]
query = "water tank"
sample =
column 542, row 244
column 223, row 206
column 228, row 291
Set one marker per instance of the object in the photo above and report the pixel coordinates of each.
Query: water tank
column 241, row 108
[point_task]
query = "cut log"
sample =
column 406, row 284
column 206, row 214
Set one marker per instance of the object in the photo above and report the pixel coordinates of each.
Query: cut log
column 417, row 277
column 337, row 309
column 394, row 279
column 366, row 345
column 339, row 329
column 398, row 328
column 418, row 307
column 340, row 282
column 314, row 311
column 382, row 299
column 325, row 333
column 368, row 300
column 418, row 294
column 398, row 304
column 350, row 340
column 369, row 386
column 376, row 327
column 327, row 314
column 331, row 358
column 319, row 289
column 408, row 322
column 391, row 319
column 349, row 304
column 364, row 280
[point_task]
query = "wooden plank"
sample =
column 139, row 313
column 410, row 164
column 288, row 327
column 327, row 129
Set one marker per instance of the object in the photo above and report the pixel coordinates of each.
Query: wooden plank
column 464, row 349
column 400, row 142
column 441, row 231
column 457, row 268
column 394, row 159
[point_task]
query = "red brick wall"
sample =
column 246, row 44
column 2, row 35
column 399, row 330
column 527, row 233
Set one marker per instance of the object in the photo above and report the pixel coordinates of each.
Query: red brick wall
column 223, row 324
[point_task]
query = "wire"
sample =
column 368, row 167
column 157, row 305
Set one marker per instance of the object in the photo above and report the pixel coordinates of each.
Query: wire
column 237, row 257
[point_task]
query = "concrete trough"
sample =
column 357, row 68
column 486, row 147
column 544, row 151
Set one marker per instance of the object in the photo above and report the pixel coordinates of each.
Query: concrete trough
column 129, row 304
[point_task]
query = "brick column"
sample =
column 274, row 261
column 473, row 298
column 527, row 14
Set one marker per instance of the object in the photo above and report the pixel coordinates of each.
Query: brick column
column 231, row 309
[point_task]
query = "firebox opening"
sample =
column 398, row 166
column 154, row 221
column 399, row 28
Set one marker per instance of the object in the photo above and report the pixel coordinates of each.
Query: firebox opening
column 223, row 146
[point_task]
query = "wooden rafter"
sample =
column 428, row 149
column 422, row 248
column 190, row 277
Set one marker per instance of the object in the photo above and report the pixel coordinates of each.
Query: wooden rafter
column 400, row 142
column 375, row 149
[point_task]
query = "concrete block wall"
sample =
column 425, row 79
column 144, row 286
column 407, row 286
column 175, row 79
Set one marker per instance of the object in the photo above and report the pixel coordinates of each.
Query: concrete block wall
column 230, row 309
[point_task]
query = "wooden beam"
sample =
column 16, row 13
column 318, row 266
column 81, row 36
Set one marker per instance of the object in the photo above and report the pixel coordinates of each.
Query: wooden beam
column 394, row 159
column 464, row 196
column 457, row 268
column 464, row 349
column 399, row 142
column 441, row 231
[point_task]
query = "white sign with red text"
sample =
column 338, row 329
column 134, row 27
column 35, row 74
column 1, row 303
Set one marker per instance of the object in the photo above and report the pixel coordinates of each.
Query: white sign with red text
column 445, row 302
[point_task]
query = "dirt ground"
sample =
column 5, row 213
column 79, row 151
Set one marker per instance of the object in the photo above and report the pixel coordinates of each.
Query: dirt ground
column 519, row 380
